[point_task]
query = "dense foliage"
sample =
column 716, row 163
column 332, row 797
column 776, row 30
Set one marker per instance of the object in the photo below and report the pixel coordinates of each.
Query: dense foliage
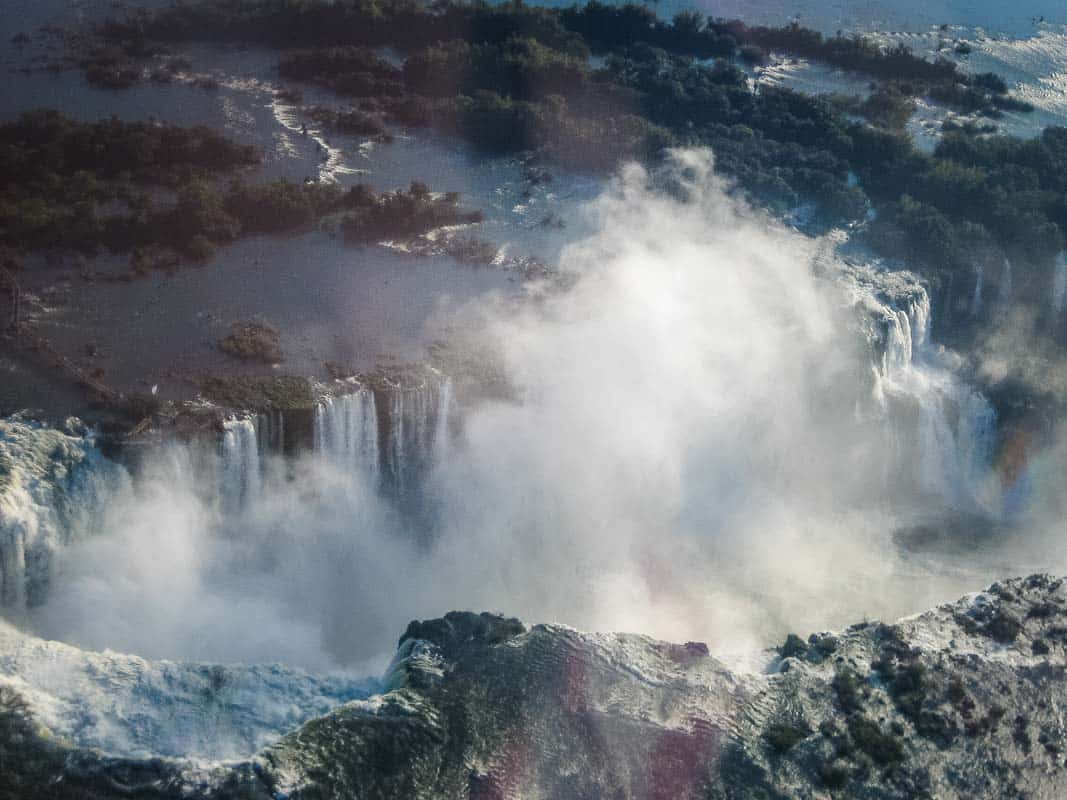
column 253, row 341
column 155, row 191
column 390, row 215
column 83, row 185
column 513, row 77
column 368, row 23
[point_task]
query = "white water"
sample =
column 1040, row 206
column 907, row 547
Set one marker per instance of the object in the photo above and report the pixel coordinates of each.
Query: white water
column 54, row 486
column 976, row 301
column 391, row 434
column 130, row 706
column 242, row 475
column 53, row 489
column 346, row 428
column 678, row 454
column 1006, row 287
column 949, row 437
column 1059, row 282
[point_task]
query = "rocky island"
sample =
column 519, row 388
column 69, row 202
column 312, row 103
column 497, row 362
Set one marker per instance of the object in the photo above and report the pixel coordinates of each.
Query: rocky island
column 959, row 701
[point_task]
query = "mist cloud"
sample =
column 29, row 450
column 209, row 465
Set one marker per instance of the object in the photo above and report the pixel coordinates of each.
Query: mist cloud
column 689, row 456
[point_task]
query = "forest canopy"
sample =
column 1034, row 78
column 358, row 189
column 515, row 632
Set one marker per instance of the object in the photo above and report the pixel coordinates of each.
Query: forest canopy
column 512, row 77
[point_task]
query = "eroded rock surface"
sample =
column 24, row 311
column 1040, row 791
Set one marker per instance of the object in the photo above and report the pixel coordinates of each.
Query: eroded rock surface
column 962, row 701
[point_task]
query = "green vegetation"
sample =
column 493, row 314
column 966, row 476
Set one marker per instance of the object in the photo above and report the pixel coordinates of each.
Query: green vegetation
column 155, row 191
column 912, row 691
column 832, row 776
column 882, row 748
column 253, row 341
column 276, row 393
column 110, row 68
column 471, row 250
column 349, row 70
column 846, row 685
column 793, row 647
column 515, row 95
column 280, row 206
column 35, row 763
column 91, row 185
column 782, row 736
column 997, row 623
column 365, row 23
column 901, row 71
column 512, row 77
column 25, row 763
column 399, row 214
column 889, row 106
column 353, row 122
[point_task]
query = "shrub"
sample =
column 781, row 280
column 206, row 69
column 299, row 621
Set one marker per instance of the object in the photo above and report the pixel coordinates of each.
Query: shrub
column 793, row 647
column 278, row 393
column 752, row 54
column 471, row 250
column 353, row 122
column 1003, row 627
column 846, row 686
column 280, row 206
column 199, row 248
column 832, row 776
column 401, row 214
column 884, row 749
column 252, row 341
column 782, row 736
column 141, row 406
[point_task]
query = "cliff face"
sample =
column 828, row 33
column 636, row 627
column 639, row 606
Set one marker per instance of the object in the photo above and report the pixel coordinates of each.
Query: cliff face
column 962, row 701
column 53, row 486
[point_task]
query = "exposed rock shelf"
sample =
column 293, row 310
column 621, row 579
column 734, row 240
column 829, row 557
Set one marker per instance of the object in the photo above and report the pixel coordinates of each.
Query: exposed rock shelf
column 961, row 701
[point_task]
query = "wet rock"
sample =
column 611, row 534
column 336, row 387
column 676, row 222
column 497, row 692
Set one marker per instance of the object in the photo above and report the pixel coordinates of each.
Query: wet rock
column 951, row 703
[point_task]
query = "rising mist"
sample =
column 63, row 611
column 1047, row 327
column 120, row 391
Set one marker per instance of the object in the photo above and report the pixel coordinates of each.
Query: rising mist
column 692, row 451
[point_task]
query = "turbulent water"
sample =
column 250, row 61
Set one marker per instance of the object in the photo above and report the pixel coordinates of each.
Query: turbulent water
column 936, row 423
column 390, row 436
column 718, row 434
column 1059, row 282
column 129, row 706
column 53, row 488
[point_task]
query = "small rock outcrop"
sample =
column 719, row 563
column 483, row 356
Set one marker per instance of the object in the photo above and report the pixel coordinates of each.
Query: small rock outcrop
column 959, row 702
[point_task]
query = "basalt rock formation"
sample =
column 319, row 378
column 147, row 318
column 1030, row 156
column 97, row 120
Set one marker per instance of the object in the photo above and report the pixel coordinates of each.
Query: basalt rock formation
column 962, row 701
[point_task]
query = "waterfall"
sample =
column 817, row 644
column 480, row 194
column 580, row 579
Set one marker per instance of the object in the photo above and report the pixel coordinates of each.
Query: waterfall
column 957, row 433
column 921, row 319
column 241, row 471
column 394, row 456
column 1059, row 282
column 442, row 416
column 346, row 429
column 935, row 421
column 937, row 456
column 1005, row 289
column 899, row 342
column 415, row 430
column 905, row 322
column 55, row 486
column 392, row 433
column 977, row 440
column 54, row 489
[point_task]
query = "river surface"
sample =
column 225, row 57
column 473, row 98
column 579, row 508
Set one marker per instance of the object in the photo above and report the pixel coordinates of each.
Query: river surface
column 332, row 302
